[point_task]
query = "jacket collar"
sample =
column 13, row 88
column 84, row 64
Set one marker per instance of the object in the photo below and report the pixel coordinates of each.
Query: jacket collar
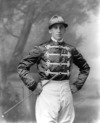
column 52, row 38
column 55, row 42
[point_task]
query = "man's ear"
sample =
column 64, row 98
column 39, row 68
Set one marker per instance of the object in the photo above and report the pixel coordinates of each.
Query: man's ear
column 50, row 31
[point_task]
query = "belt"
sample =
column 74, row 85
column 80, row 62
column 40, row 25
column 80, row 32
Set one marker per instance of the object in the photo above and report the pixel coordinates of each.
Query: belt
column 58, row 78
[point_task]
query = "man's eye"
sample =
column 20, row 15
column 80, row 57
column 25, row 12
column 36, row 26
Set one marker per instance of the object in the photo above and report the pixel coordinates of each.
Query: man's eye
column 55, row 27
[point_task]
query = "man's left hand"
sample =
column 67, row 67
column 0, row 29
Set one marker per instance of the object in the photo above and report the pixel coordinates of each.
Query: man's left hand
column 73, row 88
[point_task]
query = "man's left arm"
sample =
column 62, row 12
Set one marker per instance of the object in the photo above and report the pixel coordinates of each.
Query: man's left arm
column 83, row 66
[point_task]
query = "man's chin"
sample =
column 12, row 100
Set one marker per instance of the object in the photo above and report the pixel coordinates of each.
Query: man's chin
column 58, row 38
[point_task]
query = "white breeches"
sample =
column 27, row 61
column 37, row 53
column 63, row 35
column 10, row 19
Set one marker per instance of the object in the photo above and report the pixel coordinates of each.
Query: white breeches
column 55, row 103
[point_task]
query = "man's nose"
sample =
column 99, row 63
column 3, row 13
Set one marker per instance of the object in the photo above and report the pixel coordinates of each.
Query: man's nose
column 58, row 29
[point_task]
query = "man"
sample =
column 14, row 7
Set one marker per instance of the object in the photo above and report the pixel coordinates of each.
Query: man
column 54, row 58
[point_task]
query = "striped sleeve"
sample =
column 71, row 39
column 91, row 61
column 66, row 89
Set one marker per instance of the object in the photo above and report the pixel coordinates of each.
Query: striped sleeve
column 83, row 66
column 25, row 65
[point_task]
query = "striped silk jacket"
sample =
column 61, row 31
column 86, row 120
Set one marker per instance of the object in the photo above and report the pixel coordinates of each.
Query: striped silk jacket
column 53, row 58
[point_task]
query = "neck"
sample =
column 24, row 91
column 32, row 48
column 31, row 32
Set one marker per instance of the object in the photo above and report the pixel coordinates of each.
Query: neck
column 61, row 40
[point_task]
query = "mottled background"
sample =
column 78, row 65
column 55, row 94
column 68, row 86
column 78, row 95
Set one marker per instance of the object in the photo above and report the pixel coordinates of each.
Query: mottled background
column 23, row 24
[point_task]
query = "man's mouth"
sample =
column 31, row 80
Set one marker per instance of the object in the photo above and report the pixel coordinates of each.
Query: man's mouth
column 58, row 34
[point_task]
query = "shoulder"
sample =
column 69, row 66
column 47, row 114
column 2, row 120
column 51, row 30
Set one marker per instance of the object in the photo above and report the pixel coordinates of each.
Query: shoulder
column 44, row 43
column 40, row 47
column 69, row 46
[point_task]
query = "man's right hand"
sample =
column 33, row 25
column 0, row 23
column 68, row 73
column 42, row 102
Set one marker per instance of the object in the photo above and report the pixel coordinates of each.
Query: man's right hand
column 38, row 89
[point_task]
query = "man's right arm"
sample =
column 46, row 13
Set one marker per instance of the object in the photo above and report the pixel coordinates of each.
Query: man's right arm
column 25, row 65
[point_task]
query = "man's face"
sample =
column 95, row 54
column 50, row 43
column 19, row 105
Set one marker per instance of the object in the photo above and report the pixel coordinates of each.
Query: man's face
column 57, row 31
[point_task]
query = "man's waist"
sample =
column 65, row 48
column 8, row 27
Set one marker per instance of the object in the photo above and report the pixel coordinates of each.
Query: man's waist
column 56, row 78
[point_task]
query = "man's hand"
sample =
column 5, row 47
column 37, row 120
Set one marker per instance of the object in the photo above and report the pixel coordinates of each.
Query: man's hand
column 73, row 88
column 38, row 89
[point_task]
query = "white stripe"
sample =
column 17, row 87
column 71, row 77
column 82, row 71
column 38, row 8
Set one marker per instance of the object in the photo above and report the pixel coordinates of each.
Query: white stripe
column 53, row 54
column 54, row 63
column 64, row 47
column 49, row 72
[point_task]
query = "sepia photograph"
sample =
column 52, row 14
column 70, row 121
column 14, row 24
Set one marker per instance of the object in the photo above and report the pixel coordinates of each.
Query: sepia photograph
column 49, row 61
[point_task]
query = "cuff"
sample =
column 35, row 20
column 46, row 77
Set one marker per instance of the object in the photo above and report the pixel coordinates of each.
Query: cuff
column 33, row 87
column 78, row 86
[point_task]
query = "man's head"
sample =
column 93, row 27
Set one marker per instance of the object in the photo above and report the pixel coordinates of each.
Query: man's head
column 57, row 27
